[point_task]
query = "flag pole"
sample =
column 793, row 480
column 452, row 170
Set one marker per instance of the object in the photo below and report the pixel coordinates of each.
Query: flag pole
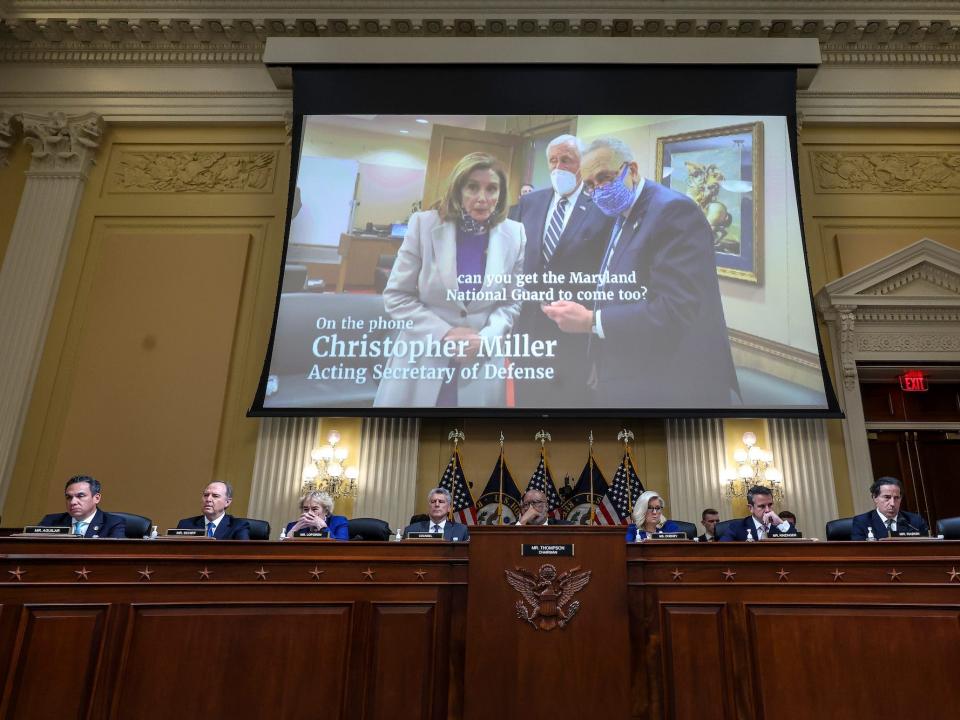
column 500, row 494
column 593, row 507
column 456, row 436
column 627, row 436
column 544, row 437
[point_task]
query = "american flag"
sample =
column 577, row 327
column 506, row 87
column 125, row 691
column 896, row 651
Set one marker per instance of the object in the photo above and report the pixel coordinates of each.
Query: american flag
column 542, row 480
column 577, row 506
column 453, row 480
column 617, row 504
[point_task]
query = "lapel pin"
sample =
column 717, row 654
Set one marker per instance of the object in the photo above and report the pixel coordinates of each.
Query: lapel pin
column 96, row 528
column 636, row 225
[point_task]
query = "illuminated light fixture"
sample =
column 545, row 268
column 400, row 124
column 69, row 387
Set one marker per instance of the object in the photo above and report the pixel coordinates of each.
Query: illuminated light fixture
column 423, row 121
column 404, row 132
column 326, row 472
column 754, row 467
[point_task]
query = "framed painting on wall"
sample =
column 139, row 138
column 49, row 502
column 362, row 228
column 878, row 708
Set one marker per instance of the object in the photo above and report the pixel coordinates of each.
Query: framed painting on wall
column 721, row 169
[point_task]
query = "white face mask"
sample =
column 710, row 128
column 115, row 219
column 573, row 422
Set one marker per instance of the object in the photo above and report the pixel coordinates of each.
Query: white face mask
column 563, row 181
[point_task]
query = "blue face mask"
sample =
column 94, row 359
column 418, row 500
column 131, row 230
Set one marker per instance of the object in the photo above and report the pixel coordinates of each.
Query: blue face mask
column 614, row 197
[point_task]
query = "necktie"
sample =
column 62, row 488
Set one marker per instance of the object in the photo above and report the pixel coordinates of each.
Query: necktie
column 436, row 528
column 761, row 532
column 614, row 238
column 554, row 230
column 889, row 524
column 210, row 528
column 78, row 527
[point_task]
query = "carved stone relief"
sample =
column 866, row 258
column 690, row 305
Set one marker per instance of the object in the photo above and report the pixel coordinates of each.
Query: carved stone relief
column 62, row 143
column 9, row 130
column 908, row 342
column 173, row 171
column 934, row 172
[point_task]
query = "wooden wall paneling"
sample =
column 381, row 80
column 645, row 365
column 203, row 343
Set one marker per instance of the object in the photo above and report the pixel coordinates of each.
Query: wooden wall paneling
column 57, row 646
column 696, row 683
column 401, row 662
column 884, row 660
column 251, row 660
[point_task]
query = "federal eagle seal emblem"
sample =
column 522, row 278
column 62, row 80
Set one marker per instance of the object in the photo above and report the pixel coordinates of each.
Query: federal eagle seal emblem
column 547, row 596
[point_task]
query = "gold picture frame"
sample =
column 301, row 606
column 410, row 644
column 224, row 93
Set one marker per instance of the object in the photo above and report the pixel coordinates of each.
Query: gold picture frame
column 721, row 169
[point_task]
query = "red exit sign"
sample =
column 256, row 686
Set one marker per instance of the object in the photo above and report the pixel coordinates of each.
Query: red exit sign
column 913, row 381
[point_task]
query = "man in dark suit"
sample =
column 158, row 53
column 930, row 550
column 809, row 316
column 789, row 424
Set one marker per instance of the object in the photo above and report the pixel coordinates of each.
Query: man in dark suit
column 658, row 334
column 762, row 522
column 709, row 519
column 887, row 518
column 534, row 510
column 217, row 496
column 563, row 230
column 439, row 503
column 82, row 494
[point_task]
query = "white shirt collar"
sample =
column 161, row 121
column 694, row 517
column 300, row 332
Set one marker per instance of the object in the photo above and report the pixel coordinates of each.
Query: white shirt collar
column 87, row 520
column 884, row 518
column 215, row 521
column 431, row 523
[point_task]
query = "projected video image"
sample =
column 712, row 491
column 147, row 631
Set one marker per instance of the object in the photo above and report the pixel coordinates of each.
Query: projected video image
column 598, row 262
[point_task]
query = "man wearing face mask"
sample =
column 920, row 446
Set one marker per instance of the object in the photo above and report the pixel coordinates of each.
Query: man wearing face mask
column 657, row 333
column 562, row 226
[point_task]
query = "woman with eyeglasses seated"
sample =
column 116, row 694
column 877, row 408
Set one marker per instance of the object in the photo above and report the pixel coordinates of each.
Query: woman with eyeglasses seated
column 316, row 515
column 648, row 517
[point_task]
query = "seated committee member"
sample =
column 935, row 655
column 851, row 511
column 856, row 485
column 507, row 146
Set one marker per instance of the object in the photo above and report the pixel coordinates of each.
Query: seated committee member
column 316, row 515
column 790, row 518
column 648, row 517
column 762, row 522
column 709, row 519
column 82, row 494
column 534, row 510
column 451, row 287
column 439, row 503
column 217, row 496
column 887, row 519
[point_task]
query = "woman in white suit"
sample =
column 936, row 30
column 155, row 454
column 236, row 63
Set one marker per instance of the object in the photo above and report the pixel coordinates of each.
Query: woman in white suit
column 433, row 288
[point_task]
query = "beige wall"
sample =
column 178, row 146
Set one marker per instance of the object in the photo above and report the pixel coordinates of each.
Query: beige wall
column 12, row 180
column 160, row 326
column 866, row 192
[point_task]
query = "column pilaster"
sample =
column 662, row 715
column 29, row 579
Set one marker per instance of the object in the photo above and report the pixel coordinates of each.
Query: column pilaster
column 63, row 148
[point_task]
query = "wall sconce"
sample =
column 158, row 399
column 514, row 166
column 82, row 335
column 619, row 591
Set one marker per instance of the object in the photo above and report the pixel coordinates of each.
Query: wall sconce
column 325, row 471
column 754, row 467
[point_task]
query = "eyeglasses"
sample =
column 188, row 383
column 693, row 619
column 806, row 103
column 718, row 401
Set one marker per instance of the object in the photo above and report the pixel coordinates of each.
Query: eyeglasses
column 590, row 187
column 654, row 508
column 533, row 502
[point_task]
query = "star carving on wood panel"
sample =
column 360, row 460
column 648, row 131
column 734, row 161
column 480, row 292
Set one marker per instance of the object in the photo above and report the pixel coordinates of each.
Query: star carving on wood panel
column 952, row 573
column 894, row 574
column 420, row 573
column 146, row 573
column 205, row 573
column 729, row 574
column 838, row 575
column 783, row 575
column 262, row 573
column 317, row 572
column 82, row 573
column 369, row 573
column 17, row 573
column 677, row 574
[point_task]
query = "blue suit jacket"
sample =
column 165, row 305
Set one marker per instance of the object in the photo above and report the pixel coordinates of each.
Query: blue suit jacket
column 738, row 531
column 669, row 526
column 103, row 524
column 872, row 519
column 336, row 527
column 452, row 531
column 580, row 249
column 670, row 349
column 230, row 528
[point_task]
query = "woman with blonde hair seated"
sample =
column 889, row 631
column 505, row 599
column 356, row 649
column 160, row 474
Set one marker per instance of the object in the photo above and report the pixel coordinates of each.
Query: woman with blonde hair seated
column 648, row 517
column 316, row 516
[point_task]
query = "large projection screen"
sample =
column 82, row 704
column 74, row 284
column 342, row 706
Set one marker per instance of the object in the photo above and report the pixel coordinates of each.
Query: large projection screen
column 671, row 281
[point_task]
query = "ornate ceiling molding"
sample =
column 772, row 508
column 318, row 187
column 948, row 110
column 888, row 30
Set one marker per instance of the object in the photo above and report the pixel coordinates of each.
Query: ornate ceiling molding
column 117, row 32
